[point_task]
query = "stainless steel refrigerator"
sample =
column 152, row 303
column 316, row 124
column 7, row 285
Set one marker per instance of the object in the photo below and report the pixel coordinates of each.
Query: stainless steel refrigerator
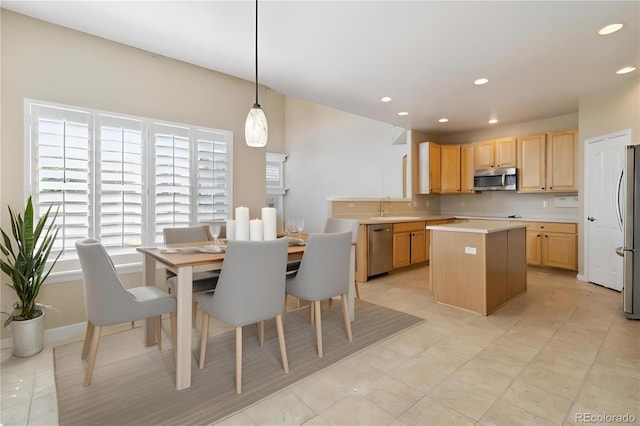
column 630, row 216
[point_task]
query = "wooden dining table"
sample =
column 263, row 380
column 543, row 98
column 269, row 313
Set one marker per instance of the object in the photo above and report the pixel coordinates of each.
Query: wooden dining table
column 184, row 265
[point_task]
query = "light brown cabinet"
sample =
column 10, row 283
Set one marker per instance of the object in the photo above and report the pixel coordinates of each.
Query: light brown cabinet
column 450, row 169
column 466, row 169
column 495, row 153
column 408, row 244
column 429, row 179
column 552, row 245
column 547, row 162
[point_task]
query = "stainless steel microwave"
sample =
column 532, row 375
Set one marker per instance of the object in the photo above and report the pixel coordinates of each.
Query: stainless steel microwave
column 500, row 179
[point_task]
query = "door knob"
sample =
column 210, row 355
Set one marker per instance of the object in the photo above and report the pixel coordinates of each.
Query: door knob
column 591, row 218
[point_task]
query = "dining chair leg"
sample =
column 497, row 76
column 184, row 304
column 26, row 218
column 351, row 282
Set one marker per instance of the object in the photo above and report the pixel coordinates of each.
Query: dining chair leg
column 261, row 333
column 87, row 339
column 357, row 289
column 204, row 338
column 283, row 347
column 284, row 309
column 345, row 314
column 174, row 337
column 318, row 316
column 238, row 360
column 194, row 308
column 312, row 310
column 95, row 340
column 159, row 331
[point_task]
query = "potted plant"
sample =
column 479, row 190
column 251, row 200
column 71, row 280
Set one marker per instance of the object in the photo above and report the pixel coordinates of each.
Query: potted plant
column 24, row 261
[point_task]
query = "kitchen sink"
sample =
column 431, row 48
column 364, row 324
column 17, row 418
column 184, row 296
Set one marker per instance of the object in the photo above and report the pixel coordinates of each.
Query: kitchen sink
column 394, row 218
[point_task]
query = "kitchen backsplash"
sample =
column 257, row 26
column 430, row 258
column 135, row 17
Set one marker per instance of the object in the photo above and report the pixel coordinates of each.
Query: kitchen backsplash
column 488, row 203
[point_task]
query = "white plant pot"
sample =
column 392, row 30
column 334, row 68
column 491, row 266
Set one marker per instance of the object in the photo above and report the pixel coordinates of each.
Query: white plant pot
column 28, row 336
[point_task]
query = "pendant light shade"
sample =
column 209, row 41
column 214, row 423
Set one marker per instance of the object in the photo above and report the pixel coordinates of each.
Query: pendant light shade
column 256, row 130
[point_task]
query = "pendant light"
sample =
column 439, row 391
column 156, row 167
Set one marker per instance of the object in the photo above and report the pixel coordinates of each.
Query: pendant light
column 256, row 130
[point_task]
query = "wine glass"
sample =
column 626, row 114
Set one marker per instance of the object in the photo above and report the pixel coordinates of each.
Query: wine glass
column 215, row 232
column 290, row 227
column 299, row 223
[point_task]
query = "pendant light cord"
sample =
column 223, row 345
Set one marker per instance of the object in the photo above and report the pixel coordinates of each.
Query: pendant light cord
column 257, row 104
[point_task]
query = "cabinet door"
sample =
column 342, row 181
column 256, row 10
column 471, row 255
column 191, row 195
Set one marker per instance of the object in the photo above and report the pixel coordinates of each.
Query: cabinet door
column 483, row 155
column 505, row 152
column 466, row 169
column 434, row 168
column 534, row 248
column 532, row 163
column 559, row 250
column 401, row 249
column 450, row 161
column 562, row 151
column 418, row 252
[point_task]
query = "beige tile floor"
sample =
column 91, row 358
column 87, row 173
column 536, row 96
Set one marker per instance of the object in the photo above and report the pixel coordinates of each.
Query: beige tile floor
column 559, row 353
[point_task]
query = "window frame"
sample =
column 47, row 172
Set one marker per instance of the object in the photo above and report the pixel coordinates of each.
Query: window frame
column 126, row 261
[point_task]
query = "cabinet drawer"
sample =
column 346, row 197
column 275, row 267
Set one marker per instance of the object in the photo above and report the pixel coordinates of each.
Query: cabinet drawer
column 564, row 228
column 408, row 227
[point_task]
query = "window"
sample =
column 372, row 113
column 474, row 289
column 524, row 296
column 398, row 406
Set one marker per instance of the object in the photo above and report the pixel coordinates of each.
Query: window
column 122, row 179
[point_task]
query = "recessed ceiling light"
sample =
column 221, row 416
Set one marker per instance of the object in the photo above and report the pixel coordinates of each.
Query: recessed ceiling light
column 610, row 29
column 625, row 70
column 385, row 99
column 481, row 81
column 493, row 121
column 443, row 120
column 403, row 113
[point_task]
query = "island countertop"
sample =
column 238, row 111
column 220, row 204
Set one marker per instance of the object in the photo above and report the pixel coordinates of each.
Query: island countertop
column 477, row 226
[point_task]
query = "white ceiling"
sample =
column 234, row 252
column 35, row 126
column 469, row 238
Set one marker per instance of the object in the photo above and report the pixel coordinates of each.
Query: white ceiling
column 539, row 56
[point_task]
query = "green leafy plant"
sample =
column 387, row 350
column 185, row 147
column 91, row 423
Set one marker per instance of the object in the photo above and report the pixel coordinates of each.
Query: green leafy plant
column 26, row 262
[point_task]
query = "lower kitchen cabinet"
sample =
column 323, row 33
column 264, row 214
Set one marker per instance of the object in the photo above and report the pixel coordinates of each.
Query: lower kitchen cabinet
column 552, row 245
column 409, row 246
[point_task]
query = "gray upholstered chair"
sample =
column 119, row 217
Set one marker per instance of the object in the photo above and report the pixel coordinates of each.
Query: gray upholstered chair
column 250, row 290
column 334, row 225
column 324, row 273
column 202, row 281
column 108, row 302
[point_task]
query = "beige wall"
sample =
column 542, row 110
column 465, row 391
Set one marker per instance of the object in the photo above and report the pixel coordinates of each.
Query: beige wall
column 602, row 113
column 51, row 63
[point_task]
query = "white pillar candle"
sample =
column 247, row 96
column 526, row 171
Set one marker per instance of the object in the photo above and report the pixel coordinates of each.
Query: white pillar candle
column 231, row 229
column 242, row 223
column 269, row 223
column 255, row 230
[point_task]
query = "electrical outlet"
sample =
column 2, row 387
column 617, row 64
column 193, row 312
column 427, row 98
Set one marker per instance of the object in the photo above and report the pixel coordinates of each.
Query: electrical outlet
column 545, row 204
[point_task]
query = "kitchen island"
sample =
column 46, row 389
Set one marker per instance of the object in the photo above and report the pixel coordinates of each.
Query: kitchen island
column 478, row 265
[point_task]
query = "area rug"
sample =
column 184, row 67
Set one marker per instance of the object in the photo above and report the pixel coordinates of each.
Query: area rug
column 135, row 385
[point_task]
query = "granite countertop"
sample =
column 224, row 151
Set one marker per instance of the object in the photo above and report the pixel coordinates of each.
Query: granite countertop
column 478, row 226
column 520, row 218
column 401, row 218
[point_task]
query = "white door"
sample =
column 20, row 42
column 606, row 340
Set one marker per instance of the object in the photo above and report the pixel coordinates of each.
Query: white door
column 604, row 163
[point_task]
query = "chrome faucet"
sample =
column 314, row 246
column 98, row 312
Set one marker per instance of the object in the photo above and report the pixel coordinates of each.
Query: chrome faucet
column 382, row 210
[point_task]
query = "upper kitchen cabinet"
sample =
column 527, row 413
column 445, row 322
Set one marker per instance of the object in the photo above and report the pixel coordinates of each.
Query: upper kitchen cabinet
column 547, row 162
column 429, row 179
column 466, row 169
column 495, row 153
column 450, row 169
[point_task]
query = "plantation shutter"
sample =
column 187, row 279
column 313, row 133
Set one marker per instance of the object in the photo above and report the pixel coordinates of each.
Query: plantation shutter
column 121, row 188
column 212, row 166
column 172, row 178
column 61, row 168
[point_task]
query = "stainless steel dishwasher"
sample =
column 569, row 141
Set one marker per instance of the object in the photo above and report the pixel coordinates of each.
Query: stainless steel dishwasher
column 379, row 249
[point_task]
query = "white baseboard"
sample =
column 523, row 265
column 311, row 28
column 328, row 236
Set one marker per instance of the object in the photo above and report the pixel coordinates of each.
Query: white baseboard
column 53, row 334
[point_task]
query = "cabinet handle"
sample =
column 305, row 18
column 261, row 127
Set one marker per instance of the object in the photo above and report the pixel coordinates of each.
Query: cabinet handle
column 551, row 187
column 542, row 227
column 546, row 236
column 538, row 235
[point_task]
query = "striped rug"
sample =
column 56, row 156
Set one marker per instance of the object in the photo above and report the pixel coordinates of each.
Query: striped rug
column 135, row 385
